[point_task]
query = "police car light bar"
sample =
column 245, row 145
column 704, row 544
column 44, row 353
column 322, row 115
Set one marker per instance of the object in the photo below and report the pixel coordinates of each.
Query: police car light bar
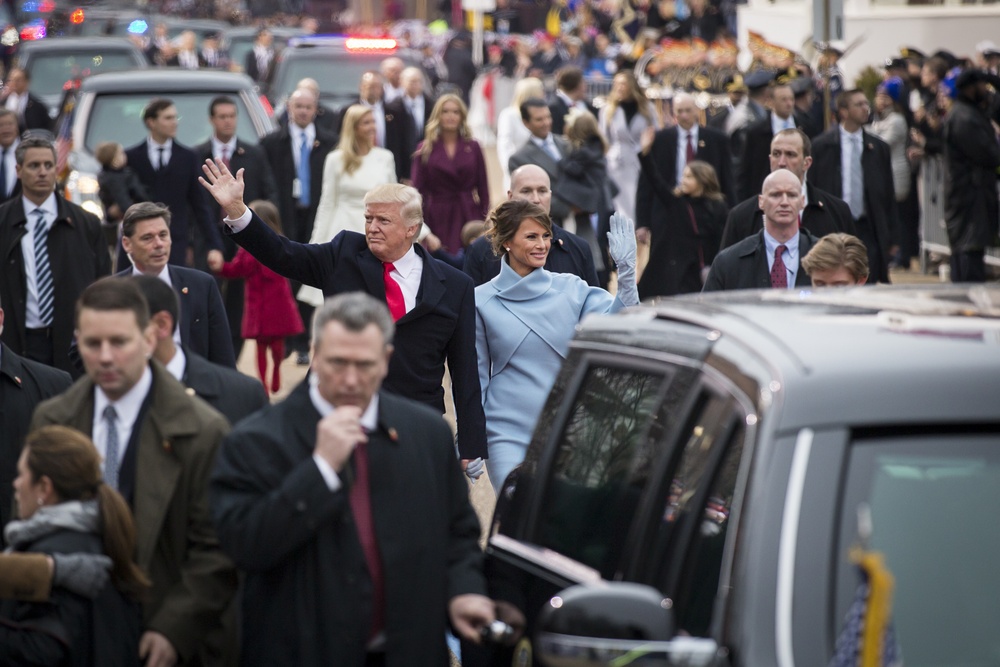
column 370, row 44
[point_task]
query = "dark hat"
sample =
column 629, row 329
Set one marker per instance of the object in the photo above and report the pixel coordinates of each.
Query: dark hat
column 947, row 56
column 976, row 75
column 801, row 86
column 911, row 53
column 895, row 63
column 214, row 35
column 759, row 79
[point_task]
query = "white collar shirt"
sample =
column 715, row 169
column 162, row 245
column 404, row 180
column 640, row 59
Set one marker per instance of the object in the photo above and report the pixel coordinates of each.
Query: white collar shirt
column 408, row 270
column 153, row 150
column 217, row 147
column 296, row 133
column 790, row 256
column 10, row 166
column 32, row 319
column 127, row 407
column 779, row 124
column 378, row 111
column 178, row 364
column 850, row 146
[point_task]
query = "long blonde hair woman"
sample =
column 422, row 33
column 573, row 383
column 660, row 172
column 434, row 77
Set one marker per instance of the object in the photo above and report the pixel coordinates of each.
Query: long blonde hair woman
column 351, row 170
column 511, row 132
column 449, row 171
column 622, row 120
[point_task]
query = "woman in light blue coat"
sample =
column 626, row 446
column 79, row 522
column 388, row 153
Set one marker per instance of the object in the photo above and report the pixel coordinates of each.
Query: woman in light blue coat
column 525, row 318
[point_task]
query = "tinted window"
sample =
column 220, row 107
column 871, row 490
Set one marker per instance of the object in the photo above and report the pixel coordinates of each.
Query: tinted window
column 604, row 457
column 119, row 118
column 932, row 502
column 49, row 71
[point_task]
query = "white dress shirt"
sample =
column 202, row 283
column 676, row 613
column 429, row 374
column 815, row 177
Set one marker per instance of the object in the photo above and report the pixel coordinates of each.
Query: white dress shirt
column 217, row 147
column 10, row 166
column 31, row 314
column 548, row 145
column 779, row 124
column 296, row 133
column 178, row 364
column 790, row 257
column 415, row 105
column 153, row 150
column 369, row 421
column 682, row 142
column 127, row 407
column 409, row 269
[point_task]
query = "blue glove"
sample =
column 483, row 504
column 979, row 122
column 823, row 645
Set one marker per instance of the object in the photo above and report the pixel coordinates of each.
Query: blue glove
column 622, row 248
column 475, row 469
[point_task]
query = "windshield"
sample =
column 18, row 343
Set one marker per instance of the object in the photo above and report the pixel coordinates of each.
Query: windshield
column 931, row 503
column 50, row 71
column 119, row 118
column 338, row 76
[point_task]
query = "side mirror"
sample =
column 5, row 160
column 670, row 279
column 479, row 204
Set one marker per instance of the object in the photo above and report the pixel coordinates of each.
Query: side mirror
column 614, row 623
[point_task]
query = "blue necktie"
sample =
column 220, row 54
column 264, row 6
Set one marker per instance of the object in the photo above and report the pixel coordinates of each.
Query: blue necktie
column 111, row 449
column 304, row 150
column 43, row 271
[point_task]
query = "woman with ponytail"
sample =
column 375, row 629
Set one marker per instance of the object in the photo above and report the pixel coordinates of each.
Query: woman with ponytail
column 64, row 507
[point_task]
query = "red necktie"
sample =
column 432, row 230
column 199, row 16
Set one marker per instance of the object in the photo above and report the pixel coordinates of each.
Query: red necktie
column 225, row 156
column 779, row 275
column 689, row 158
column 361, row 508
column 393, row 294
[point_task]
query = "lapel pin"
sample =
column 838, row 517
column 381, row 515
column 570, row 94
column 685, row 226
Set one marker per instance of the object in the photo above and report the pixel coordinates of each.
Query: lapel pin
column 189, row 391
column 239, row 151
column 820, row 204
column 701, row 143
column 388, row 118
column 393, row 434
column 315, row 143
column 17, row 379
column 870, row 146
column 184, row 290
column 167, row 447
column 560, row 241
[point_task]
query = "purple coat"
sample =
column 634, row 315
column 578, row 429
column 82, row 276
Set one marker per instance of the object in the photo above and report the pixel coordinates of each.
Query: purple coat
column 455, row 190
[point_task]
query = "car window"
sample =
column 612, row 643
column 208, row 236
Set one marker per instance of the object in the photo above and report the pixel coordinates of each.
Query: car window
column 931, row 500
column 603, row 460
column 50, row 71
column 119, row 118
column 335, row 91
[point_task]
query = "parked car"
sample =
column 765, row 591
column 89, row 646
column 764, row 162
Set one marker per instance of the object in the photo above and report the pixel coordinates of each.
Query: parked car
column 56, row 63
column 337, row 63
column 108, row 107
column 705, row 466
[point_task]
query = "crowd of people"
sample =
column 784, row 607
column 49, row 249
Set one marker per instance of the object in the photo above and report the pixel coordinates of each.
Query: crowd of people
column 370, row 252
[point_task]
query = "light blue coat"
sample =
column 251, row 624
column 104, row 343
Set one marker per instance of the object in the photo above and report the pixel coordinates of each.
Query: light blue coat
column 523, row 330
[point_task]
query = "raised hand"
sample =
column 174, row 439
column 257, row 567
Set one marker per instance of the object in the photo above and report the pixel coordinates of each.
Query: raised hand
column 225, row 188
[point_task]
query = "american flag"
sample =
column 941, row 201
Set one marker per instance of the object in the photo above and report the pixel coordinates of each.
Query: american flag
column 64, row 133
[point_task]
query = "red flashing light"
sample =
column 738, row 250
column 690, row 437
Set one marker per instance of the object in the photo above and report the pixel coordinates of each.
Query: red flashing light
column 47, row 6
column 32, row 32
column 371, row 44
column 77, row 16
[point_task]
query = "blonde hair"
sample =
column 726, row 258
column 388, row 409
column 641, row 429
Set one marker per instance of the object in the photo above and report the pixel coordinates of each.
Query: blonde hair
column 433, row 131
column 834, row 251
column 526, row 88
column 581, row 126
column 351, row 143
column 636, row 92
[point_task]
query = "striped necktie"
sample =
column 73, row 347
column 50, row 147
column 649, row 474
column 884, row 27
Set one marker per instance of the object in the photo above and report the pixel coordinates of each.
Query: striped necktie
column 43, row 270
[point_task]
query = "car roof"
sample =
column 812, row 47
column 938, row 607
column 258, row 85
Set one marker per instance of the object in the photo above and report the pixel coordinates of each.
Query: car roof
column 867, row 355
column 166, row 79
column 76, row 44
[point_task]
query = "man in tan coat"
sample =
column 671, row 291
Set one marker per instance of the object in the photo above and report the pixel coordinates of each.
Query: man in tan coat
column 158, row 444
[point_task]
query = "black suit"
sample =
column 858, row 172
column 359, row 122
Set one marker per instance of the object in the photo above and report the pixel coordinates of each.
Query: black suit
column 326, row 119
column 308, row 594
column 756, row 163
column 177, row 186
column 879, row 227
column 36, row 115
column 713, row 147
column 569, row 254
column 558, row 108
column 253, row 70
column 23, row 385
column 530, row 153
column 297, row 222
column 203, row 323
column 258, row 183
column 441, row 327
column 824, row 214
column 235, row 395
column 403, row 140
column 78, row 255
column 744, row 265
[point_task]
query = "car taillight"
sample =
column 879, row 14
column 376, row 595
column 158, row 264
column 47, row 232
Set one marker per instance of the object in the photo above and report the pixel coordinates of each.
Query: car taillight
column 267, row 106
column 77, row 16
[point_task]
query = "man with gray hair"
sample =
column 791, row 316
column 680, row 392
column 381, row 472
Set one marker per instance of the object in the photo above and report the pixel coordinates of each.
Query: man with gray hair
column 433, row 303
column 346, row 508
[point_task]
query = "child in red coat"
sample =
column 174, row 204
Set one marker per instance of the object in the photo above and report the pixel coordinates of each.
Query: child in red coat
column 269, row 311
